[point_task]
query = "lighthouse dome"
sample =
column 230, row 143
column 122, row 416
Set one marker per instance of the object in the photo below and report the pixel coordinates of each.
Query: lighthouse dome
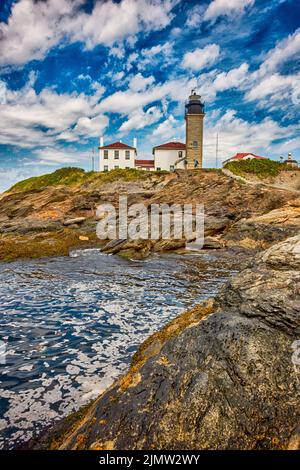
column 194, row 105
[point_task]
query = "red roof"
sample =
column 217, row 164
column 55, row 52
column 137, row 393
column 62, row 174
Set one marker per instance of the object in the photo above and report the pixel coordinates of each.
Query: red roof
column 243, row 155
column 148, row 163
column 117, row 146
column 171, row 146
column 240, row 156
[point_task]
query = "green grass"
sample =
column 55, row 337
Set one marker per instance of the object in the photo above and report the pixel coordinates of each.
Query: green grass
column 260, row 168
column 77, row 176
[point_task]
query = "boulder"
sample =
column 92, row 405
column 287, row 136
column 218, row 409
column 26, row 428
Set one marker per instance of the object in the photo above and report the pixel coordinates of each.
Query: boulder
column 211, row 243
column 169, row 244
column 31, row 225
column 214, row 225
column 113, row 246
column 263, row 230
column 75, row 221
column 135, row 249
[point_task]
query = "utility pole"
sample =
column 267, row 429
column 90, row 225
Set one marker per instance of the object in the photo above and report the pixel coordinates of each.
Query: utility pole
column 93, row 159
column 217, row 149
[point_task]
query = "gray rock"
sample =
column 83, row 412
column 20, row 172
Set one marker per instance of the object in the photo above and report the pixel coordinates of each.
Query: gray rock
column 214, row 225
column 113, row 246
column 76, row 221
column 211, row 243
column 264, row 233
column 29, row 226
column 270, row 288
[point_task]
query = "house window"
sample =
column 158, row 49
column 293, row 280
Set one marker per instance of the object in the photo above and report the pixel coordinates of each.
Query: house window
column 105, row 154
column 180, row 154
column 116, row 154
column 195, row 144
column 158, row 169
column 105, row 168
column 127, row 154
column 171, row 167
column 127, row 168
column 116, row 167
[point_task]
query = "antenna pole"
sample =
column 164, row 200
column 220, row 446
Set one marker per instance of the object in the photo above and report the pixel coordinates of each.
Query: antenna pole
column 217, row 149
column 93, row 160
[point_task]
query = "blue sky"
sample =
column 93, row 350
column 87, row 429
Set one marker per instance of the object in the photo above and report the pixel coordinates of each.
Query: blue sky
column 73, row 70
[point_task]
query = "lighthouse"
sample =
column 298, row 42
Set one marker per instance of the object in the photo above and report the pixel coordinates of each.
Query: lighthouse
column 194, row 116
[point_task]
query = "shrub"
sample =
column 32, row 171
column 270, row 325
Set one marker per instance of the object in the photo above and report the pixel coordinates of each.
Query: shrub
column 76, row 176
column 260, row 168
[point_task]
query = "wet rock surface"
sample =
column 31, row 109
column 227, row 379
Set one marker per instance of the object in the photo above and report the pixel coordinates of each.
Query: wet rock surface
column 218, row 377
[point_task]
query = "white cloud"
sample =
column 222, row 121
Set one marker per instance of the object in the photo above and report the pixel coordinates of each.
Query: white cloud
column 131, row 60
column 118, row 76
column 112, row 22
column 266, row 86
column 282, row 52
column 195, row 16
column 159, row 54
column 271, row 89
column 29, row 119
column 214, row 82
column 140, row 83
column 272, row 84
column 83, row 76
column 168, row 129
column 140, row 119
column 232, row 79
column 238, row 135
column 35, row 27
column 125, row 102
column 165, row 48
column 117, row 51
column 201, row 58
column 91, row 127
column 226, row 8
column 60, row 157
column 3, row 89
column 175, row 32
column 277, row 92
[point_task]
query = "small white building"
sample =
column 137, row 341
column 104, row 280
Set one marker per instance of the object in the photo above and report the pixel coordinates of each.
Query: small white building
column 290, row 163
column 170, row 156
column 116, row 155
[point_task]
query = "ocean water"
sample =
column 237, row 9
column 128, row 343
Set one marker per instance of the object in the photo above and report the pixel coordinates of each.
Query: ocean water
column 70, row 325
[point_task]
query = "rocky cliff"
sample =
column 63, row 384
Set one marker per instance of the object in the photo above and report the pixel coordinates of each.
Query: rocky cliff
column 48, row 216
column 222, row 376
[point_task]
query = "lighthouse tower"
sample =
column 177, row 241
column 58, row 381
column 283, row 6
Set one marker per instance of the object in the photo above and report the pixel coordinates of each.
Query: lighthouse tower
column 194, row 116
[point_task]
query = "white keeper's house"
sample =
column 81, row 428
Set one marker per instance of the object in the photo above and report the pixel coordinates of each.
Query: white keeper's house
column 116, row 155
column 170, row 156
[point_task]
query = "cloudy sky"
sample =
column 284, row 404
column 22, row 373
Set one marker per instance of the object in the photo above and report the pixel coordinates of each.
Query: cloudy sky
column 73, row 70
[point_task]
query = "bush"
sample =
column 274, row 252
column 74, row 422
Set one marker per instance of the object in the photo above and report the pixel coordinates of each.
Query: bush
column 76, row 176
column 260, row 168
